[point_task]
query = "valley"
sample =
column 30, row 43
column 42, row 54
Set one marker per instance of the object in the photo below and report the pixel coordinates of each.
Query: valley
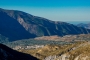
column 27, row 37
column 70, row 47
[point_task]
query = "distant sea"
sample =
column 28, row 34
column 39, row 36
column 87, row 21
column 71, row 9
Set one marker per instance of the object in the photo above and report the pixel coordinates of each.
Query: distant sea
column 77, row 22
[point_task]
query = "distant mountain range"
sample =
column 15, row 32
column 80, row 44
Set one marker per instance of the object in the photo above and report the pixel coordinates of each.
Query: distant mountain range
column 16, row 25
column 87, row 26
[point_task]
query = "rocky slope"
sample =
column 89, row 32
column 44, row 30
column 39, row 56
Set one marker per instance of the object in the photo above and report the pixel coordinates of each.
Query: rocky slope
column 7, row 53
column 9, row 27
column 76, row 51
column 80, row 52
column 20, row 25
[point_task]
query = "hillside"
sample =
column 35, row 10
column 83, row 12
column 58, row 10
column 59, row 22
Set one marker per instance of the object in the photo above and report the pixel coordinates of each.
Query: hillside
column 84, row 25
column 3, row 39
column 7, row 53
column 16, row 25
column 75, row 51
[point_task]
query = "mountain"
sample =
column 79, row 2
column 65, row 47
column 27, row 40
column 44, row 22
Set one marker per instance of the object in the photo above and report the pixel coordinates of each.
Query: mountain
column 18, row 25
column 3, row 39
column 11, row 28
column 87, row 26
column 7, row 53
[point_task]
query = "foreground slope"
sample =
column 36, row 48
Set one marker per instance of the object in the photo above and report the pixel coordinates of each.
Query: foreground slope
column 76, row 51
column 18, row 25
column 7, row 53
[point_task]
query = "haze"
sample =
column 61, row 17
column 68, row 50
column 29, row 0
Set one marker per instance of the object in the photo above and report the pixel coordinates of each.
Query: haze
column 57, row 10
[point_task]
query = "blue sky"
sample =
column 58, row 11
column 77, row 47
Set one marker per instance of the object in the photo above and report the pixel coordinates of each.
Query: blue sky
column 57, row 10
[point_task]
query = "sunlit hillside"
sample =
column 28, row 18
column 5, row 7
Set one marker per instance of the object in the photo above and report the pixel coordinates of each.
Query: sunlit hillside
column 76, row 51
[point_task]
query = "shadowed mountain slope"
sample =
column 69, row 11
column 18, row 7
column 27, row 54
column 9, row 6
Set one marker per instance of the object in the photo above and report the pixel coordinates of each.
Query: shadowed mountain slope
column 7, row 53
column 18, row 25
column 87, row 26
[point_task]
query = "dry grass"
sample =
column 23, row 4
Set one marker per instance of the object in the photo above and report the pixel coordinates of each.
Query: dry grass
column 84, row 50
column 48, row 50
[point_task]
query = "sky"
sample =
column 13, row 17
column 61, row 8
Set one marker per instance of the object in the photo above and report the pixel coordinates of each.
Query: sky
column 56, row 10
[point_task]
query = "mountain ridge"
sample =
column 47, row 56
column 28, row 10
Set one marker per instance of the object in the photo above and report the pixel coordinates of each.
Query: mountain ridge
column 20, row 25
column 87, row 26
